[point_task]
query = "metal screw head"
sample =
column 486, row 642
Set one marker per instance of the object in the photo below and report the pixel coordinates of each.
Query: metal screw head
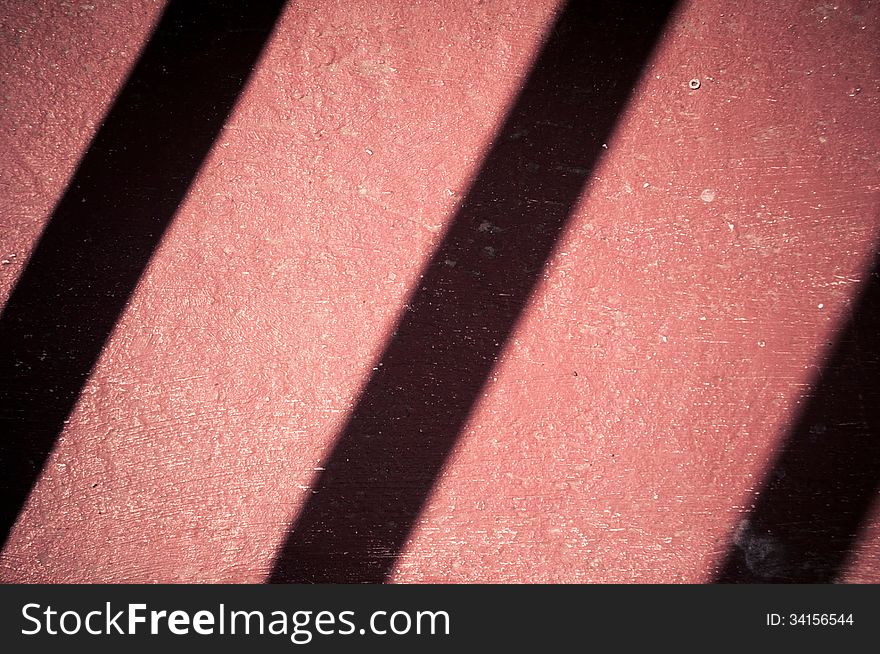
column 694, row 84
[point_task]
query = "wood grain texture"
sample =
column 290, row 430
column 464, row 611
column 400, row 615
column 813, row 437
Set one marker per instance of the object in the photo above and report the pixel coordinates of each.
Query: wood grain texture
column 671, row 340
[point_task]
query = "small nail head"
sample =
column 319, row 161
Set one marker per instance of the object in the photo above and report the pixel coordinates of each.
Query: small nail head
column 694, row 84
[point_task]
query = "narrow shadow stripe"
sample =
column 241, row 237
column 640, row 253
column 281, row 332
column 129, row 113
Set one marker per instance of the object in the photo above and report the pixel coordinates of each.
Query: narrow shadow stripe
column 111, row 218
column 819, row 491
column 471, row 294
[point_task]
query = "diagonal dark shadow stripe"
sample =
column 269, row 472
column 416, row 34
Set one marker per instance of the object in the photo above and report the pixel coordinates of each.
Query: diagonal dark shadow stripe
column 809, row 514
column 472, row 292
column 111, row 218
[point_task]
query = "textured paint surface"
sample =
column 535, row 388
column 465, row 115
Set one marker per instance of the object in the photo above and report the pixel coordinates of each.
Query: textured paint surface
column 672, row 338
